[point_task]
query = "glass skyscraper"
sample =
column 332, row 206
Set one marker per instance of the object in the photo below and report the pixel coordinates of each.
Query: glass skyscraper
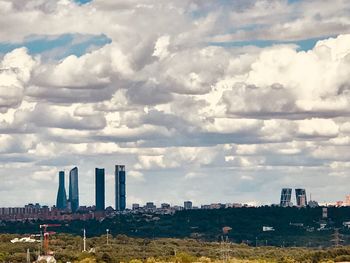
column 286, row 196
column 100, row 189
column 61, row 201
column 74, row 189
column 120, row 194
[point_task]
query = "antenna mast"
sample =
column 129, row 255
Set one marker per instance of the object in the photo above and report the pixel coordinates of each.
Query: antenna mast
column 28, row 255
column 84, row 240
column 107, row 230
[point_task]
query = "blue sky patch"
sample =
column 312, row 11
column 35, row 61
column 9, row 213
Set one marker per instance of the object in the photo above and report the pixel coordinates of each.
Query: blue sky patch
column 58, row 47
column 82, row 2
column 304, row 45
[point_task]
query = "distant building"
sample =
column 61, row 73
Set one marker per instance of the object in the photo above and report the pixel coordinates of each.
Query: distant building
column 347, row 200
column 324, row 212
column 178, row 208
column 100, row 189
column 61, row 201
column 233, row 205
column 187, row 205
column 74, row 189
column 339, row 203
column 150, row 205
column 286, row 196
column 216, row 206
column 135, row 206
column 300, row 195
column 165, row 206
column 312, row 204
column 120, row 192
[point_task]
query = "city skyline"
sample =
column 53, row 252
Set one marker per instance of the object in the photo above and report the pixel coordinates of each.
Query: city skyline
column 285, row 198
column 211, row 101
column 72, row 203
column 65, row 204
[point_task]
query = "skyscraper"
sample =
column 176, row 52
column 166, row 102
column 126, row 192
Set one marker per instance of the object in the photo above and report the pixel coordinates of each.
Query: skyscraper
column 74, row 189
column 300, row 195
column 61, row 201
column 286, row 196
column 100, row 189
column 120, row 194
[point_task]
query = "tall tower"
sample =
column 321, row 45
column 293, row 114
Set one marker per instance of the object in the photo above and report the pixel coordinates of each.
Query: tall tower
column 120, row 194
column 61, row 201
column 300, row 195
column 74, row 189
column 100, row 189
column 286, row 196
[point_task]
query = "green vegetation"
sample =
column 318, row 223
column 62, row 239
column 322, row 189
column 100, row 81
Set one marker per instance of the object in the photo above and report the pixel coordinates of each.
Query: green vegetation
column 136, row 250
column 192, row 236
column 206, row 225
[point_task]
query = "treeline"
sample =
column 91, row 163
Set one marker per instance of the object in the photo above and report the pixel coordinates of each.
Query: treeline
column 293, row 227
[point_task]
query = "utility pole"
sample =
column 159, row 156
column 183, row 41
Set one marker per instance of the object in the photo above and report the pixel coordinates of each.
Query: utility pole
column 84, row 250
column 41, row 243
column 28, row 256
column 337, row 238
column 225, row 248
column 107, row 230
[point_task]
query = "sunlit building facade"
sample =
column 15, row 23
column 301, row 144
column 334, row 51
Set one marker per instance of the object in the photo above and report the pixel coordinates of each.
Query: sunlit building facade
column 300, row 195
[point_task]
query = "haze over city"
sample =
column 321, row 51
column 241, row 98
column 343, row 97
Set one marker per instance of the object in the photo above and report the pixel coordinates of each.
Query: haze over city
column 209, row 101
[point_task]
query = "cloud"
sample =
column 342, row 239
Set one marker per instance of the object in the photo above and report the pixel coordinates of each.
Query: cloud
column 15, row 70
column 279, row 86
column 137, row 175
column 56, row 117
column 173, row 107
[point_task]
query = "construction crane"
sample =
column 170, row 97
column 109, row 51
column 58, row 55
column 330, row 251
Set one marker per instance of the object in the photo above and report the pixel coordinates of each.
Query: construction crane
column 47, row 235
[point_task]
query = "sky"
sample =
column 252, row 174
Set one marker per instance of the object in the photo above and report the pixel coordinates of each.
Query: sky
column 209, row 101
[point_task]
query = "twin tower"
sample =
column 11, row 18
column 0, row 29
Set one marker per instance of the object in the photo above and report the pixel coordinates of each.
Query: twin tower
column 72, row 203
column 300, row 197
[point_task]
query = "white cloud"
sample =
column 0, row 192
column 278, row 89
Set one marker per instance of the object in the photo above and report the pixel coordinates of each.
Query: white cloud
column 318, row 127
column 161, row 47
column 286, row 83
column 171, row 106
column 137, row 175
column 15, row 70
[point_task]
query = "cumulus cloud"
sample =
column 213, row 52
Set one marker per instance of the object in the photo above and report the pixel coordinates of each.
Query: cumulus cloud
column 283, row 81
column 15, row 70
column 58, row 117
